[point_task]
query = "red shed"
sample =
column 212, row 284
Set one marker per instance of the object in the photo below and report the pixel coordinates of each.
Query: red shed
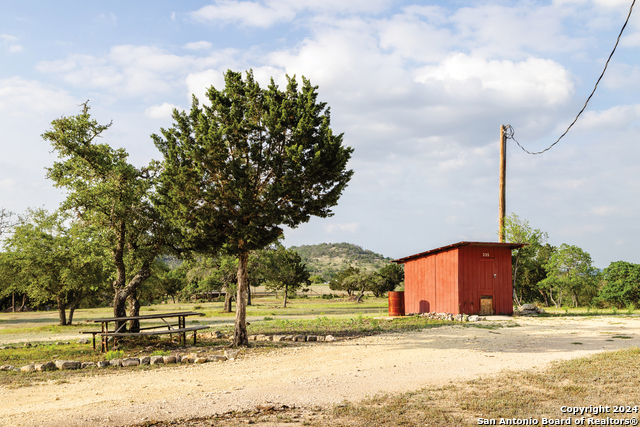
column 463, row 278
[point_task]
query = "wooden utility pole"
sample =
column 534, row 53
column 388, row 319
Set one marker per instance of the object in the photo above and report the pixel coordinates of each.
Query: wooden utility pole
column 502, row 205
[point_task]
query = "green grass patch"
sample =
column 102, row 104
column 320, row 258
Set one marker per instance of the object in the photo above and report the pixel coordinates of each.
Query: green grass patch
column 113, row 354
column 341, row 326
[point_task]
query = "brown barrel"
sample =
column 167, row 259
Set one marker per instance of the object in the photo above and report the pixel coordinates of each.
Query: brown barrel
column 396, row 303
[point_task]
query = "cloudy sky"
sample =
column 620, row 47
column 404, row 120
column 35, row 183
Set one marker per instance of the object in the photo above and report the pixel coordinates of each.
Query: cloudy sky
column 419, row 90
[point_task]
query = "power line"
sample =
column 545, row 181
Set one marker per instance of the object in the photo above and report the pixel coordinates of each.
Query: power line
column 509, row 129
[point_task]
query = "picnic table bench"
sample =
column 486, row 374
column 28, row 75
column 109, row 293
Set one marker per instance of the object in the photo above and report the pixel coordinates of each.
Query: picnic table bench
column 179, row 328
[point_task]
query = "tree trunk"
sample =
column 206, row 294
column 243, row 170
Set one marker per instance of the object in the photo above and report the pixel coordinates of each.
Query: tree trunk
column 13, row 302
column 72, row 309
column 240, row 337
column 248, row 294
column 24, row 303
column 544, row 295
column 61, row 310
column 121, row 290
column 121, row 295
column 133, row 310
column 286, row 293
column 227, row 301
column 359, row 299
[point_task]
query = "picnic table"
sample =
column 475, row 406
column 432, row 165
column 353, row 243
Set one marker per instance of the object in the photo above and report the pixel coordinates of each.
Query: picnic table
column 179, row 328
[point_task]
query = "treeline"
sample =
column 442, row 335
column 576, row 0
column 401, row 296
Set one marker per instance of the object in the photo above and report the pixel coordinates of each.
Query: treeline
column 565, row 275
column 50, row 261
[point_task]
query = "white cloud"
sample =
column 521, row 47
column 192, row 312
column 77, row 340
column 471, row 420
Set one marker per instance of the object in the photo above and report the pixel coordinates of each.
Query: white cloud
column 19, row 96
column 534, row 81
column 104, row 18
column 263, row 14
column 163, row 111
column 246, row 13
column 130, row 71
column 603, row 210
column 198, row 83
column 631, row 40
column 201, row 45
column 618, row 117
column 7, row 184
column 9, row 42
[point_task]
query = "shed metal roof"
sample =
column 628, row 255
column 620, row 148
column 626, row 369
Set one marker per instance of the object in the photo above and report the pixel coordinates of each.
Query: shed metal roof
column 457, row 245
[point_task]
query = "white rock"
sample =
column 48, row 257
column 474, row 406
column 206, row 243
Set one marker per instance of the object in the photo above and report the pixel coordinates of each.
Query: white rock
column 157, row 360
column 131, row 361
column 169, row 359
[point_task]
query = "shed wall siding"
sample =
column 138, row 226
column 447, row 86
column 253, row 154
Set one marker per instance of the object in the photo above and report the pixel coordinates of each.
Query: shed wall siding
column 446, row 281
column 475, row 266
column 454, row 280
column 419, row 287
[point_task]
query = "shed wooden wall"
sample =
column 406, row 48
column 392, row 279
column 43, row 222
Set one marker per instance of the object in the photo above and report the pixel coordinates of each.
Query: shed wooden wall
column 478, row 264
column 431, row 283
column 453, row 281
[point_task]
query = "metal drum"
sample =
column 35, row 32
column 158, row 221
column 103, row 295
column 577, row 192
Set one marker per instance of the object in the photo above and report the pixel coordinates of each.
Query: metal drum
column 396, row 303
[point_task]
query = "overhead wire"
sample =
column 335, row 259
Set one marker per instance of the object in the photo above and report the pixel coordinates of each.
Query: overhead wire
column 509, row 131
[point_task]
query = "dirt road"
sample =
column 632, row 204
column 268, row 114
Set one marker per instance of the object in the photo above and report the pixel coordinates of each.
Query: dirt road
column 316, row 374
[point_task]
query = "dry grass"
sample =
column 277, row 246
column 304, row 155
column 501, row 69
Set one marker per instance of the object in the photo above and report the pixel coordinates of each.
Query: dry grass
column 603, row 379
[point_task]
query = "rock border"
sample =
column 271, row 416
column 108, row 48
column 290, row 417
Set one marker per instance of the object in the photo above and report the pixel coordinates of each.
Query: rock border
column 450, row 317
column 191, row 358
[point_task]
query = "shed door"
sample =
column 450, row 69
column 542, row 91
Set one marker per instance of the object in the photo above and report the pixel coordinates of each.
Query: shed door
column 487, row 275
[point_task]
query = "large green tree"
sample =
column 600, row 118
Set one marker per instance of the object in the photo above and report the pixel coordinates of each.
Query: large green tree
column 109, row 193
column 245, row 165
column 54, row 261
column 284, row 270
column 570, row 273
column 518, row 230
column 339, row 282
column 621, row 284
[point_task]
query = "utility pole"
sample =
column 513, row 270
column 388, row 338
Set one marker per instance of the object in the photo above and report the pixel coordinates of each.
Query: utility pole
column 502, row 205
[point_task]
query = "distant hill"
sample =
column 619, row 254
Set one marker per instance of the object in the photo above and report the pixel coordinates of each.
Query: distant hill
column 326, row 259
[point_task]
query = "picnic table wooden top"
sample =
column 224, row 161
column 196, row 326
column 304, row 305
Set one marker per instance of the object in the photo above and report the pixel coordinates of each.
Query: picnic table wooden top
column 148, row 316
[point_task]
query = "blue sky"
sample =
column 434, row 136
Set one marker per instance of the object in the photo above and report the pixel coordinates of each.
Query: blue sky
column 419, row 89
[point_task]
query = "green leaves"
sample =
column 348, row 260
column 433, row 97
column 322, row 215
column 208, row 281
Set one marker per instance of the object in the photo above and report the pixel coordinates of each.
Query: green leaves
column 52, row 259
column 107, row 192
column 251, row 161
column 621, row 284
